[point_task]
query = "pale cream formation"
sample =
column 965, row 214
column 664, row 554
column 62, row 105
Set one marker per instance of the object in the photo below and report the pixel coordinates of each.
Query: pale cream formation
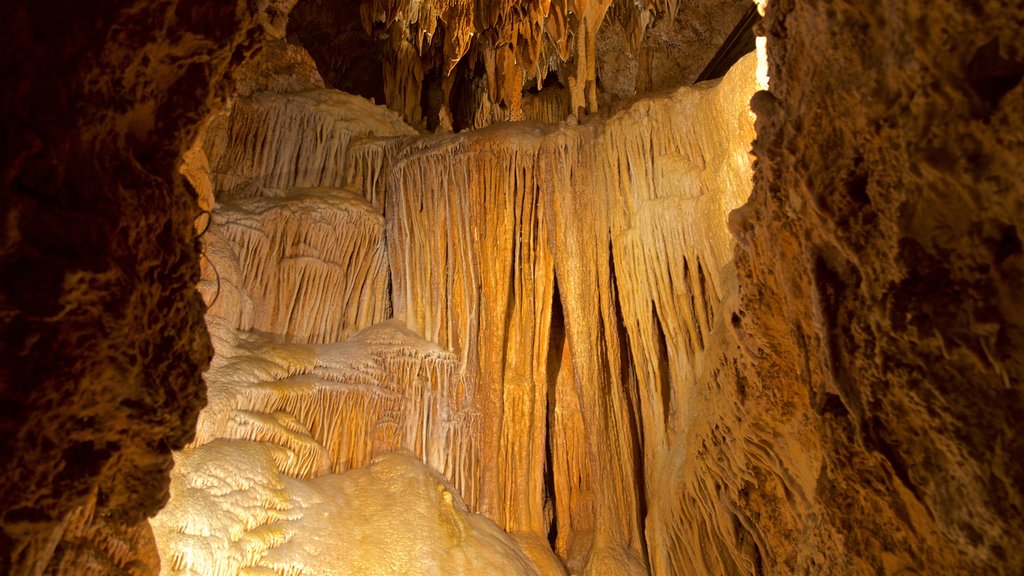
column 561, row 297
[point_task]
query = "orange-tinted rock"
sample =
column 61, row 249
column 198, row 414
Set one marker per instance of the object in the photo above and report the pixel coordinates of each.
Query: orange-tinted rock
column 879, row 264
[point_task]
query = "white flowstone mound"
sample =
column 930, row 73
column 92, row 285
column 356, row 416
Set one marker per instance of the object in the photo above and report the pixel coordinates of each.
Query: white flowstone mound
column 231, row 512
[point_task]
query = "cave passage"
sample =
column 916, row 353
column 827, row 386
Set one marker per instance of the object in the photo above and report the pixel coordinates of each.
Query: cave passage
column 379, row 287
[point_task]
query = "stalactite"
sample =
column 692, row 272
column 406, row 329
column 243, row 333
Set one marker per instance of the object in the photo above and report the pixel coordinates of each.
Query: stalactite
column 280, row 141
column 518, row 42
column 649, row 189
column 614, row 438
column 313, row 262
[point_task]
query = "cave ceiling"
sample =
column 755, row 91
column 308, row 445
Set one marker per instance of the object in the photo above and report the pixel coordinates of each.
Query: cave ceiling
column 457, row 64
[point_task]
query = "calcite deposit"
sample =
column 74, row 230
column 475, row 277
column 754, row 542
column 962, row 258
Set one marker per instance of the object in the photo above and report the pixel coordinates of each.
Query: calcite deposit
column 625, row 334
column 510, row 366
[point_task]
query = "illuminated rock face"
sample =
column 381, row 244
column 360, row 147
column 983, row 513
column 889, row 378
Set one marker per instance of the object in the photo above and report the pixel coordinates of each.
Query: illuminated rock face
column 311, row 262
column 604, row 228
column 846, row 402
column 545, row 346
column 395, row 516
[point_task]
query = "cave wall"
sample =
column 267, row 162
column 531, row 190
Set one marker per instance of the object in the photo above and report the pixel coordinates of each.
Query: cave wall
column 852, row 409
column 567, row 277
column 102, row 342
column 880, row 268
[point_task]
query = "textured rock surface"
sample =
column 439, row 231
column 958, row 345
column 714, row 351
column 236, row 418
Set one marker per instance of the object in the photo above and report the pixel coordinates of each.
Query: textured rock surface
column 101, row 330
column 278, row 67
column 841, row 399
column 232, row 513
column 526, row 396
column 879, row 269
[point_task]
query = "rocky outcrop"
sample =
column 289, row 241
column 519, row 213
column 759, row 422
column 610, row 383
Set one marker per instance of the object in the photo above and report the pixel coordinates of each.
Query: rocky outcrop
column 102, row 342
column 878, row 258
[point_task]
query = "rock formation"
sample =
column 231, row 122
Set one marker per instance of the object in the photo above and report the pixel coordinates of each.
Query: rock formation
column 570, row 345
column 526, row 376
column 102, row 341
column 876, row 260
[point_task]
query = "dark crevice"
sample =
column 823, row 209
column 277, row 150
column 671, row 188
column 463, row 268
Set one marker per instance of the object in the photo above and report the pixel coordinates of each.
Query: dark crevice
column 432, row 98
column 991, row 76
column 709, row 308
column 556, row 347
column 664, row 381
column 831, row 292
column 739, row 42
column 630, row 384
column 689, row 287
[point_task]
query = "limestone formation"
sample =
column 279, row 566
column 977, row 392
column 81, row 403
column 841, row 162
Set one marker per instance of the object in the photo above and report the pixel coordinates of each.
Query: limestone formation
column 877, row 258
column 533, row 382
column 232, row 513
column 102, row 341
column 566, row 344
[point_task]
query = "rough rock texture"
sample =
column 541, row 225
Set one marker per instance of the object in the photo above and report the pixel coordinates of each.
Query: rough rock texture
column 880, row 268
column 278, row 67
column 673, row 50
column 101, row 330
column 470, row 64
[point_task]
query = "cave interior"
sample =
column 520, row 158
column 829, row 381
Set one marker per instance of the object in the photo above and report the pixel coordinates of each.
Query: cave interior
column 524, row 287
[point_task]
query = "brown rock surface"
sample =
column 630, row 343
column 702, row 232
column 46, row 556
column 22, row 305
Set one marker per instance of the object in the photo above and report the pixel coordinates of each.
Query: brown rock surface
column 880, row 265
column 101, row 330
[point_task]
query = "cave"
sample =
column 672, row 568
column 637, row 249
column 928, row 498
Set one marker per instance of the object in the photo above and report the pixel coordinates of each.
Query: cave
column 712, row 287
